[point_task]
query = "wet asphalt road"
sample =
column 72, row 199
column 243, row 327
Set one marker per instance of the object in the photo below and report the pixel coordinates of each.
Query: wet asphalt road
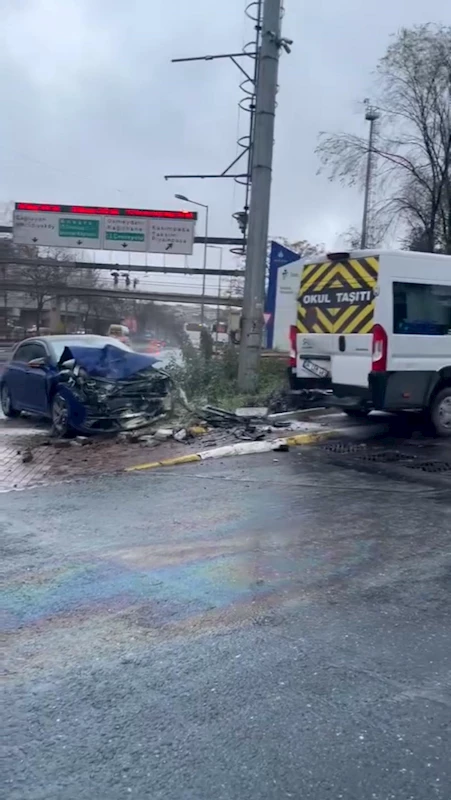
column 253, row 629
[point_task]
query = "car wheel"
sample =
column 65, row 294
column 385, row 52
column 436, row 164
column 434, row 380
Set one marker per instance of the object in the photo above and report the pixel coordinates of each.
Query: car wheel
column 60, row 416
column 441, row 412
column 7, row 405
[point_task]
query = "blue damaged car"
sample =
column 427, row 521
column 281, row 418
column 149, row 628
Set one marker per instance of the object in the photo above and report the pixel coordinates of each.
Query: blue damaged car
column 88, row 384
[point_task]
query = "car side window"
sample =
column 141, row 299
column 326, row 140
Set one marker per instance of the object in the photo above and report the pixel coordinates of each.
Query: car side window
column 22, row 354
column 27, row 352
column 37, row 350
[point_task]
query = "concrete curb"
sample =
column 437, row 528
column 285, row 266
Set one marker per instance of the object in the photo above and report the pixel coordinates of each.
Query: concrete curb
column 239, row 449
column 167, row 462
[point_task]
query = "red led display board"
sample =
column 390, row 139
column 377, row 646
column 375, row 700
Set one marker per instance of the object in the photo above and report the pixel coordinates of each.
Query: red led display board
column 104, row 211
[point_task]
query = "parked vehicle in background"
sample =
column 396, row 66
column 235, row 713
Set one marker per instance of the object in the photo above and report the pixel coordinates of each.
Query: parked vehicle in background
column 193, row 331
column 374, row 329
column 84, row 383
column 234, row 326
column 120, row 332
column 219, row 332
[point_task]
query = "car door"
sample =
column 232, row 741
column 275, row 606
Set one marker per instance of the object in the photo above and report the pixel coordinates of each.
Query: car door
column 34, row 387
column 17, row 374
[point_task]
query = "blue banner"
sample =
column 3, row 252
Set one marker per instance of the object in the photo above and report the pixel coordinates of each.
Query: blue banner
column 279, row 257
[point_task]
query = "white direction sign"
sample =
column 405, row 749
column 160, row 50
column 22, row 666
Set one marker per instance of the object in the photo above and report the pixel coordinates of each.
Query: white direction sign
column 100, row 228
column 171, row 236
column 125, row 233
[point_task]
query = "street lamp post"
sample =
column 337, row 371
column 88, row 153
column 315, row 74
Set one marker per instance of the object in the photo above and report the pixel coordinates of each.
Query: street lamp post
column 201, row 205
column 371, row 116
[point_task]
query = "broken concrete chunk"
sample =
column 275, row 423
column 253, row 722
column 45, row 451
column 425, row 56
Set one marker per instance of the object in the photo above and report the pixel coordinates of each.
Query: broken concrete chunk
column 60, row 443
column 83, row 440
column 180, row 435
column 162, row 434
column 27, row 456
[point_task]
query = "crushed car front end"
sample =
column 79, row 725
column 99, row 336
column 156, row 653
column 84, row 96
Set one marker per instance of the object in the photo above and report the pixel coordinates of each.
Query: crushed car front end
column 115, row 392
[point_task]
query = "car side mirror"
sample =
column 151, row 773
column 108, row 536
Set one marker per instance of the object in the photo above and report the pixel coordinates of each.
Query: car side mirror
column 38, row 363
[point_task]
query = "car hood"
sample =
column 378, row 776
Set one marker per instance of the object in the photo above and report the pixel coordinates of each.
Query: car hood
column 108, row 362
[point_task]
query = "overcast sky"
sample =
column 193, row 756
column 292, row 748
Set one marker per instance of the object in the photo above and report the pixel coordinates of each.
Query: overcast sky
column 94, row 112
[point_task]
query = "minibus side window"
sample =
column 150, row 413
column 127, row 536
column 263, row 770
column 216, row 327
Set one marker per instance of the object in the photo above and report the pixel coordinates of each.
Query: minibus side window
column 421, row 309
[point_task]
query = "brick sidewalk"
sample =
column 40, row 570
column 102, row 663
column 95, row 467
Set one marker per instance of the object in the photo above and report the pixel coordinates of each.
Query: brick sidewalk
column 52, row 465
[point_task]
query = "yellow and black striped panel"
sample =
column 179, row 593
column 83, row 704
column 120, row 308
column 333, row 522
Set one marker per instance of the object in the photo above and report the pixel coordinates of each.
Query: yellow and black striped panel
column 338, row 296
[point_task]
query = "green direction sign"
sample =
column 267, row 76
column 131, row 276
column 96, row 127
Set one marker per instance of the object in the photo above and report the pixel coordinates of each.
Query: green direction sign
column 125, row 236
column 78, row 228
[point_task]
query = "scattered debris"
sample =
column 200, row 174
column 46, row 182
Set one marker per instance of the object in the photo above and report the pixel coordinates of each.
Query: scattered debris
column 61, row 443
column 252, row 413
column 282, row 448
column 162, row 434
column 249, row 434
column 180, row 435
column 220, row 418
column 128, row 436
column 197, row 430
column 27, row 456
column 148, row 441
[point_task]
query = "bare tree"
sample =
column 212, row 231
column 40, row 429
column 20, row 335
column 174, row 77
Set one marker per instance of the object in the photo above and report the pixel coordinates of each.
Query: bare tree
column 413, row 147
column 41, row 280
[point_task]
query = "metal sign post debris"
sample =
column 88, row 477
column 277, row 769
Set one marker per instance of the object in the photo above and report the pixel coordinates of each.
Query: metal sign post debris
column 104, row 228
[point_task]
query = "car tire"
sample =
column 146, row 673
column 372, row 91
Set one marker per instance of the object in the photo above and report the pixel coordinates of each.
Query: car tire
column 7, row 403
column 440, row 412
column 60, row 416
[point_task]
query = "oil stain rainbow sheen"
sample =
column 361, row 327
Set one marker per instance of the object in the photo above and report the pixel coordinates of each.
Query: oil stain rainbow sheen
column 190, row 580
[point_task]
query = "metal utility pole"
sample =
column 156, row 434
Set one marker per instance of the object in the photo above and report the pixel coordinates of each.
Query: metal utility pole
column 371, row 116
column 257, row 237
column 260, row 88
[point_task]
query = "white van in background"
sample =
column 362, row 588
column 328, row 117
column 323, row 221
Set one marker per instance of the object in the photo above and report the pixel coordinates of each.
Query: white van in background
column 220, row 334
column 192, row 330
column 121, row 332
column 374, row 328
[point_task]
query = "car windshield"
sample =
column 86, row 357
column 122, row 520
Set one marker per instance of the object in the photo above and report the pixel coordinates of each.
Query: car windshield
column 58, row 345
